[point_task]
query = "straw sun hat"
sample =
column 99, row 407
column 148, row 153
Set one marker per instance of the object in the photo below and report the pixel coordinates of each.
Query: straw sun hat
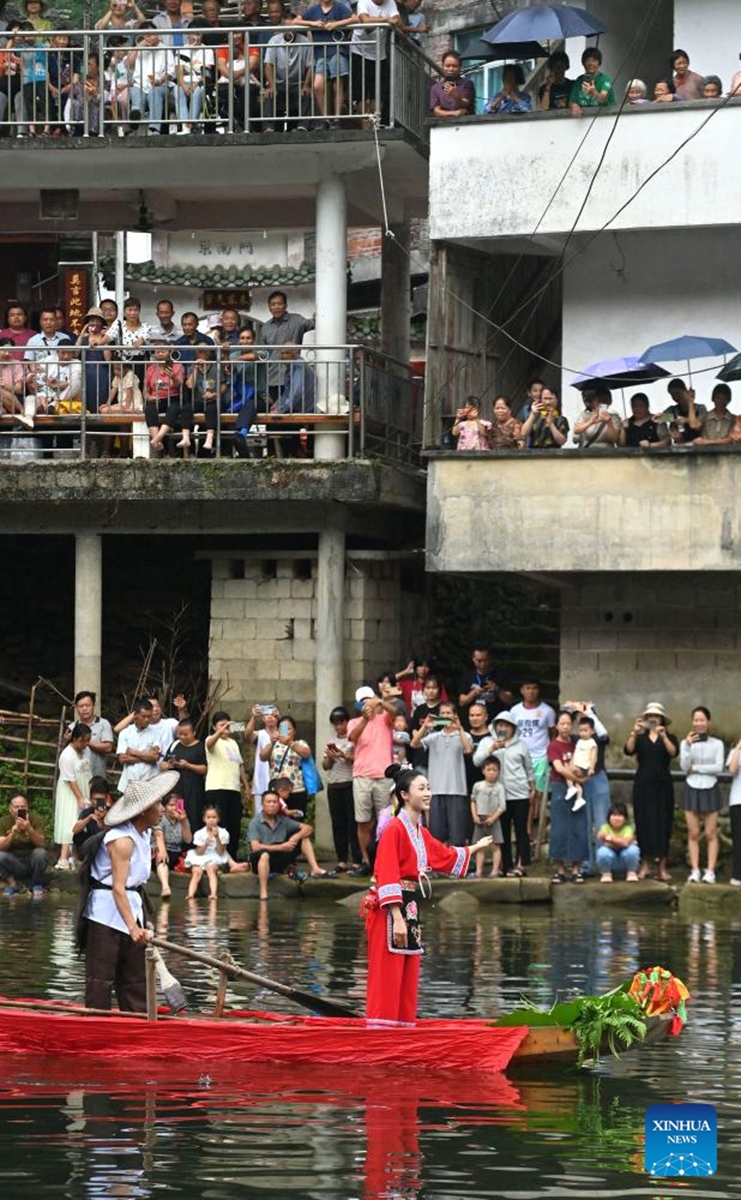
column 653, row 709
column 139, row 796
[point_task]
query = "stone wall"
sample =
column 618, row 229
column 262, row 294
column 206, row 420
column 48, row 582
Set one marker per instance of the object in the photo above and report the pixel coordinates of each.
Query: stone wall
column 262, row 628
column 626, row 640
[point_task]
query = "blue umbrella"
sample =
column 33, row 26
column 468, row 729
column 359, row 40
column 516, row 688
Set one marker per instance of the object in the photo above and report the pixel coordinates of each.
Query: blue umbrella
column 619, row 373
column 544, row 22
column 686, row 347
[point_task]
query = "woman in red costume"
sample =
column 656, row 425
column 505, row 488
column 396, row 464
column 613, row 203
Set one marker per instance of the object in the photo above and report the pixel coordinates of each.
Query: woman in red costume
column 406, row 852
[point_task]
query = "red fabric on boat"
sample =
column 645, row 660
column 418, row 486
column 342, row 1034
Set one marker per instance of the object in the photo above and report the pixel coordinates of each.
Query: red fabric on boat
column 263, row 1037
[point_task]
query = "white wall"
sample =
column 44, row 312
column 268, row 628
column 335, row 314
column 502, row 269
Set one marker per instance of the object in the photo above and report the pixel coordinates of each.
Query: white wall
column 670, row 283
column 494, row 177
column 710, row 32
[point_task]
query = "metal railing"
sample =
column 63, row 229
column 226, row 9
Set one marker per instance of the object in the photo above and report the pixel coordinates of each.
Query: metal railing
column 195, row 401
column 97, row 83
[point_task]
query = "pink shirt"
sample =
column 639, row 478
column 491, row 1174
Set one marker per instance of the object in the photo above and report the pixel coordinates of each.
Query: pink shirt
column 19, row 337
column 474, row 435
column 374, row 749
column 11, row 374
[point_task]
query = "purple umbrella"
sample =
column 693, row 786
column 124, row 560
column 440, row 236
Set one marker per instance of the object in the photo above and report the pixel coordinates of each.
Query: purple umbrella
column 619, row 373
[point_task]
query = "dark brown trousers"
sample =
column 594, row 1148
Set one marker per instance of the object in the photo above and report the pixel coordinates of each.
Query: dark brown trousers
column 114, row 963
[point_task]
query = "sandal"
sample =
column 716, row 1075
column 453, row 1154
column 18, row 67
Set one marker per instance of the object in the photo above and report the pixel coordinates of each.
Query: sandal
column 577, row 877
column 517, row 873
column 559, row 877
column 323, row 875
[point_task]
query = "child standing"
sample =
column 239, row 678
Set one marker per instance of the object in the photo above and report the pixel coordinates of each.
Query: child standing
column 472, row 432
column 617, row 850
column 488, row 803
column 400, row 738
column 583, row 764
column 209, row 853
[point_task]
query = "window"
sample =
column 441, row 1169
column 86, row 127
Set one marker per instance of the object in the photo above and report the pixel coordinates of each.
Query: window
column 485, row 74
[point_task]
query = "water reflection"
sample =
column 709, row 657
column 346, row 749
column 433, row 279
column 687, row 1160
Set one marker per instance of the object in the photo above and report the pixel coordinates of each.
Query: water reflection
column 75, row 1129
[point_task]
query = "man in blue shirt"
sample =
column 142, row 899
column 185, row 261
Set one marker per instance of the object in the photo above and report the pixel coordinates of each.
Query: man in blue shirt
column 328, row 20
column 191, row 338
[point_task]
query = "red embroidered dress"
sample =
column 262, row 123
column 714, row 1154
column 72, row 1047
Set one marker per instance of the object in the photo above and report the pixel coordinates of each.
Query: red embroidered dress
column 405, row 853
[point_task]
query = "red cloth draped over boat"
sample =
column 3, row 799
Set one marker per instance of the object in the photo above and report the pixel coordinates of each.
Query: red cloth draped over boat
column 251, row 1036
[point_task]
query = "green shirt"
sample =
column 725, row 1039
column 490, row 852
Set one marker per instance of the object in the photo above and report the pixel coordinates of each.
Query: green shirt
column 603, row 83
column 626, row 832
column 21, row 844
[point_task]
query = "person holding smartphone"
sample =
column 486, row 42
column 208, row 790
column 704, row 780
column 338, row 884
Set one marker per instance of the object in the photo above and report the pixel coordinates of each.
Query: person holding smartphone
column 177, row 835
column 701, row 757
column 447, row 743
column 23, row 853
column 654, row 749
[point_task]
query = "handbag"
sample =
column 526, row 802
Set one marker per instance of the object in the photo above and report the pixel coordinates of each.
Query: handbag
column 312, row 778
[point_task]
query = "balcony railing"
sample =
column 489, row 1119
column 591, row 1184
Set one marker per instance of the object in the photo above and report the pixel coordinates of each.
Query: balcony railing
column 239, row 401
column 97, row 87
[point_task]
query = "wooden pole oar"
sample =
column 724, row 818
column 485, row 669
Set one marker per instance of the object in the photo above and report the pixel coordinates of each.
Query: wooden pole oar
column 330, row 1008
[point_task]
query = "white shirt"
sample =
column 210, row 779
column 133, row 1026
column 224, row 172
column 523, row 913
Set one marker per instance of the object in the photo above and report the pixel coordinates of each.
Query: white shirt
column 702, row 762
column 141, row 740
column 735, row 794
column 165, row 732
column 364, row 38
column 101, row 906
column 157, row 62
column 40, row 346
column 534, row 725
column 261, row 774
column 76, row 768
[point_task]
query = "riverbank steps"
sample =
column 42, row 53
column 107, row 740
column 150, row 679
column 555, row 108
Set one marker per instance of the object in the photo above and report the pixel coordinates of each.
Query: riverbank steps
column 718, row 899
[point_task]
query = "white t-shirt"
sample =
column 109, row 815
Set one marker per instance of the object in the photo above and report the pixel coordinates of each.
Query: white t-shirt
column 533, row 725
column 261, row 774
column 76, row 768
column 141, row 740
column 735, row 793
column 165, row 732
column 582, row 753
column 101, row 906
column 364, row 37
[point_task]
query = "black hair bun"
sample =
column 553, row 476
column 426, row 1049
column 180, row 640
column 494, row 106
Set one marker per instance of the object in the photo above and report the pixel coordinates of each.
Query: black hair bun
column 393, row 771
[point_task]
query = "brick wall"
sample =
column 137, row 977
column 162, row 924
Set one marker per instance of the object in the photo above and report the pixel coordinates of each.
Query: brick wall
column 262, row 630
column 627, row 639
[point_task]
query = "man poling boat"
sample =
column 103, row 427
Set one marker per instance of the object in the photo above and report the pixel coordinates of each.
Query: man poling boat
column 406, row 852
column 111, row 925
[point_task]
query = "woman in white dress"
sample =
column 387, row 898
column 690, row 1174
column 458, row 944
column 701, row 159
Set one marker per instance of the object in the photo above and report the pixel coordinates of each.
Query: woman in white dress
column 73, row 790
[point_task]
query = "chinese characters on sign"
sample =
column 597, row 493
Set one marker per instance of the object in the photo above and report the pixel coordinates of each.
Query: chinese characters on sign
column 227, row 298
column 76, row 297
column 210, row 248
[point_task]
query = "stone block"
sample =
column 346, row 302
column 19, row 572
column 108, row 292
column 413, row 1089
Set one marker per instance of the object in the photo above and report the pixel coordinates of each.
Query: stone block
column 259, row 608
column 239, row 588
column 221, row 568
column 717, row 900
column 243, row 629
column 215, row 630
column 302, row 588
column 460, row 902
column 233, row 609
column 271, row 630
column 217, row 589
column 303, row 649
column 646, row 894
column 599, row 638
column 302, row 628
column 292, row 669
column 358, row 631
column 621, row 662
column 273, row 589
column 388, row 589
column 714, row 640
column 285, row 568
column 293, row 608
column 654, row 662
column 361, row 586
column 632, row 638
column 692, row 661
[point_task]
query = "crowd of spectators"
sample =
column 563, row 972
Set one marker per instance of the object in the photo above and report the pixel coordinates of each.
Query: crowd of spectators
column 272, row 65
column 541, row 425
column 454, row 96
column 492, row 764
column 171, row 372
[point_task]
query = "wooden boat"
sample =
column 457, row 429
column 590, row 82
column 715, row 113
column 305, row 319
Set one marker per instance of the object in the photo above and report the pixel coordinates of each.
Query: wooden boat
column 39, row 1027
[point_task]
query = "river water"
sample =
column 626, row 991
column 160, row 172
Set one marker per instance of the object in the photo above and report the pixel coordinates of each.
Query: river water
column 75, row 1128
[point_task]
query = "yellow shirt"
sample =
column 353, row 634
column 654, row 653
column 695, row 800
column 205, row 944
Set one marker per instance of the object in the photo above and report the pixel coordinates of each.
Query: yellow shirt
column 224, row 761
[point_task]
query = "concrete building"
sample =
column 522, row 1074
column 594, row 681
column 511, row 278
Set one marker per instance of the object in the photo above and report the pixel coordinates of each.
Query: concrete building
column 557, row 243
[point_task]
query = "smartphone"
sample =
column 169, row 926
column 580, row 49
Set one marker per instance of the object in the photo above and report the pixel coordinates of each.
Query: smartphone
column 180, row 805
column 267, row 709
column 332, row 746
column 441, row 722
column 284, row 728
column 22, row 813
column 237, row 726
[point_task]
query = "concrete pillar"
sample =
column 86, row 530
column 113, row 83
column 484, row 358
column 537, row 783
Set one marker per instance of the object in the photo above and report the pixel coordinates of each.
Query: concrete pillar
column 331, row 308
column 88, row 611
column 395, row 305
column 329, row 653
